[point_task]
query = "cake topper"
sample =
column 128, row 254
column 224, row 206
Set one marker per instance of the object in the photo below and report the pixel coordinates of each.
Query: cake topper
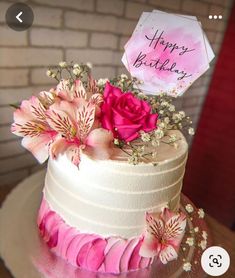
column 167, row 52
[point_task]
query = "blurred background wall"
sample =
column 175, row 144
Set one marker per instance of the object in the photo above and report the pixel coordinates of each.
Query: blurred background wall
column 81, row 31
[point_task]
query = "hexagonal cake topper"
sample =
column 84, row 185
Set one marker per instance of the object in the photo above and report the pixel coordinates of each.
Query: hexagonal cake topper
column 167, row 52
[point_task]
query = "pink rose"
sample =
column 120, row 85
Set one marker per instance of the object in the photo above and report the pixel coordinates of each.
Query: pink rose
column 125, row 115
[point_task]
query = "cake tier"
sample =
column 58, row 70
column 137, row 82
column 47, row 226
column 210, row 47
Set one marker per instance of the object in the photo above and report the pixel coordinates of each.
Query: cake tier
column 89, row 251
column 110, row 197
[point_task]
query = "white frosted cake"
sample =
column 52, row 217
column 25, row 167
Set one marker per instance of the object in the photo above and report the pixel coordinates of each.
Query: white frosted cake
column 107, row 200
column 116, row 165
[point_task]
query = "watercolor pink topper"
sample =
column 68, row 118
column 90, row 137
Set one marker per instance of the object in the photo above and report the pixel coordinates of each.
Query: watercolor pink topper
column 168, row 52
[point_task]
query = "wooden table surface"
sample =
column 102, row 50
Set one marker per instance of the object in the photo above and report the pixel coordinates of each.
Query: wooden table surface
column 222, row 236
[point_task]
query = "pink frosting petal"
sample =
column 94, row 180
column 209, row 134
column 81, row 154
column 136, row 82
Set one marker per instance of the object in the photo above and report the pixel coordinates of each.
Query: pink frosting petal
column 135, row 257
column 73, row 247
column 82, row 248
column 113, row 257
column 53, row 240
column 49, row 228
column 44, row 208
column 109, row 258
column 124, row 262
column 111, row 242
column 95, row 254
column 90, row 251
column 46, row 224
column 64, row 239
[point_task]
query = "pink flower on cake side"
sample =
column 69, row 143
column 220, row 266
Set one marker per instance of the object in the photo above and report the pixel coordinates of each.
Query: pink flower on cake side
column 30, row 123
column 163, row 235
column 126, row 115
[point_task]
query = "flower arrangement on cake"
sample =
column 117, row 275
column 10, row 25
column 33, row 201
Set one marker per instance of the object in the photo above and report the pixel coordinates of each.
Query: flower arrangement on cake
column 80, row 113
column 83, row 112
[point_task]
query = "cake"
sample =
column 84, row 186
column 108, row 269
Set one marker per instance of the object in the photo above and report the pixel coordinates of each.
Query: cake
column 112, row 193
column 117, row 158
column 105, row 203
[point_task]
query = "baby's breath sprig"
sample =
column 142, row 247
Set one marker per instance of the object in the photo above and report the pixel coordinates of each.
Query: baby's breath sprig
column 168, row 116
column 70, row 71
column 126, row 84
column 139, row 154
column 195, row 238
column 136, row 151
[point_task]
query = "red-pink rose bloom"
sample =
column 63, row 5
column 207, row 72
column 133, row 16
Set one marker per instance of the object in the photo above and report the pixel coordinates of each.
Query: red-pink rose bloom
column 126, row 115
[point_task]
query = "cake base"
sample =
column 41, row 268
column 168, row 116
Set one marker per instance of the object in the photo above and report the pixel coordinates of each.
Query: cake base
column 26, row 255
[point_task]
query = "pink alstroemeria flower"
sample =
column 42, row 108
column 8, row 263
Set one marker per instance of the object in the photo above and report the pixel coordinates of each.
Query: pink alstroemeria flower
column 73, row 123
column 63, row 119
column 163, row 235
column 64, row 92
column 74, row 118
column 30, row 123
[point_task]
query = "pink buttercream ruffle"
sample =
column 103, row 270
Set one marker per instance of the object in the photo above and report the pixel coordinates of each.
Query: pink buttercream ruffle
column 89, row 251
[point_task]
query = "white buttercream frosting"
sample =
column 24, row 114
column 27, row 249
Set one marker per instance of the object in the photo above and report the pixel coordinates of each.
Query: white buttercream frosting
column 110, row 197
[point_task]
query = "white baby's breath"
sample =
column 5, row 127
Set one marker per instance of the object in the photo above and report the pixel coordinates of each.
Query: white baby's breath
column 63, row 64
column 145, row 137
column 89, row 64
column 76, row 71
column 190, row 241
column 187, row 266
column 165, row 103
column 75, row 66
column 204, row 235
column 176, row 117
column 155, row 143
column 173, row 138
column 102, row 81
column 201, row 213
column 141, row 95
column 189, row 208
column 161, row 125
column 171, row 108
column 116, row 141
column 203, row 244
column 49, row 73
column 191, row 131
column 182, row 114
column 166, row 120
column 124, row 76
column 159, row 133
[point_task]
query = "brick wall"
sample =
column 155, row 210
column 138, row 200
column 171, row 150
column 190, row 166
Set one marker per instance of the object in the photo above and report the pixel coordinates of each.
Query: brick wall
column 81, row 30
